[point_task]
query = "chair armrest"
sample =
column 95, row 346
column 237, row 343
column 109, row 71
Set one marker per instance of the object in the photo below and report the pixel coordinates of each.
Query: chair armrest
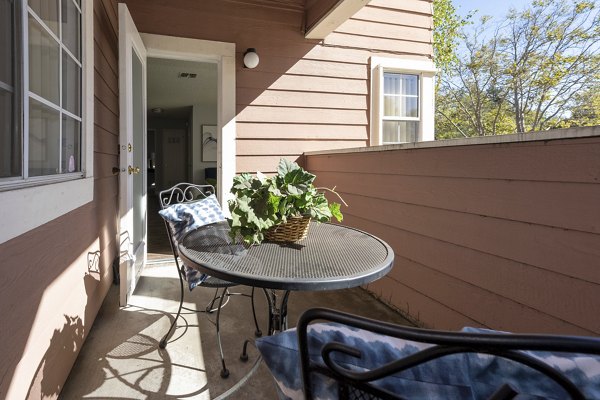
column 511, row 356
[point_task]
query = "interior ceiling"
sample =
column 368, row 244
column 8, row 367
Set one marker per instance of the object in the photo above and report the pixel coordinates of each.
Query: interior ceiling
column 175, row 95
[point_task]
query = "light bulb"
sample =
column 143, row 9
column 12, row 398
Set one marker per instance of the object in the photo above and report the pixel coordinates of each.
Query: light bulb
column 251, row 58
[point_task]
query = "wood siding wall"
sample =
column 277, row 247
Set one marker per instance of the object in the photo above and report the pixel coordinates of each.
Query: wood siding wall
column 304, row 95
column 505, row 236
column 54, row 278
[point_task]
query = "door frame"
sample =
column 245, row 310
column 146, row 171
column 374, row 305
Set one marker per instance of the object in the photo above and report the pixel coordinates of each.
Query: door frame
column 223, row 54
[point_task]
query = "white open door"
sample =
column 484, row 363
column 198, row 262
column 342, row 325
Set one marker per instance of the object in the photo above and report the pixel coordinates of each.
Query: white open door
column 132, row 144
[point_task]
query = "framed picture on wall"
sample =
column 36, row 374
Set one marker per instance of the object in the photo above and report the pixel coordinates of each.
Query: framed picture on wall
column 209, row 143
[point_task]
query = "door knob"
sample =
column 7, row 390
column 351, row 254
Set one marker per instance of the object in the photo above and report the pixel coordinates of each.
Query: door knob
column 133, row 170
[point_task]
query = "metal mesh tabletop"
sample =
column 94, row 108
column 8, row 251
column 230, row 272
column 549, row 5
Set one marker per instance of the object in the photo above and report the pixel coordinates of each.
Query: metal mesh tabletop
column 331, row 257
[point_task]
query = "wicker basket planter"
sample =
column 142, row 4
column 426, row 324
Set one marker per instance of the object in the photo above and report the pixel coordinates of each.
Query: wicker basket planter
column 294, row 230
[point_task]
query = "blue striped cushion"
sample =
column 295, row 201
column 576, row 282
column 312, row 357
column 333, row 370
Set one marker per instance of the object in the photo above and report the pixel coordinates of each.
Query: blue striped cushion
column 454, row 377
column 186, row 217
column 487, row 373
column 281, row 355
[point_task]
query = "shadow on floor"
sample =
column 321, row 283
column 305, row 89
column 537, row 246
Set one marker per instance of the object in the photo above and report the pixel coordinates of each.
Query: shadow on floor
column 121, row 358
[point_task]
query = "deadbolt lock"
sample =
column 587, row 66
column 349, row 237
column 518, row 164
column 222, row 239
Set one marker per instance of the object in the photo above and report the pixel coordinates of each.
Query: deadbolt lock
column 129, row 147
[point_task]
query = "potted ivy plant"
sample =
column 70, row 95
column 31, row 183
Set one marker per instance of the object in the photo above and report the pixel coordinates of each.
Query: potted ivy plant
column 280, row 207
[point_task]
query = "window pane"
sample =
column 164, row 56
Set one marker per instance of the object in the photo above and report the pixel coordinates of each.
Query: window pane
column 398, row 106
column 71, row 27
column 400, row 131
column 43, row 63
column 401, row 95
column 71, row 85
column 10, row 140
column 47, row 10
column 401, row 84
column 6, row 42
column 44, row 139
column 71, row 146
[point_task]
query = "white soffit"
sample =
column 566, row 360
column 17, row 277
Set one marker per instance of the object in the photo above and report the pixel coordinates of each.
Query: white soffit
column 337, row 15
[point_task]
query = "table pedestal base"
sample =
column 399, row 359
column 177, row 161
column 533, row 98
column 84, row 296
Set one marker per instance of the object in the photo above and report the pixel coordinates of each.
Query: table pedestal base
column 277, row 312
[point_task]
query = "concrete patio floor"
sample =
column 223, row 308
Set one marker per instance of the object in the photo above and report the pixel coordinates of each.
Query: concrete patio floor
column 121, row 358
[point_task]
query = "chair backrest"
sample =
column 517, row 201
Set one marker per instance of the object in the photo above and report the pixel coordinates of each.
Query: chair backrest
column 509, row 358
column 182, row 193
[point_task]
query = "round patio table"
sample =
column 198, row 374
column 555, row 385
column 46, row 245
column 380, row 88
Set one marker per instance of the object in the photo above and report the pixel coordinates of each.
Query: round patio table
column 330, row 257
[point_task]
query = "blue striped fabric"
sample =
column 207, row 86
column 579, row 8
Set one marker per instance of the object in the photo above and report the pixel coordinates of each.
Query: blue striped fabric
column 487, row 373
column 184, row 218
column 454, row 377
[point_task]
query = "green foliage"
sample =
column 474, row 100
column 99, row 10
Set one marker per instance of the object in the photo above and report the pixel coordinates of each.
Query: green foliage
column 527, row 72
column 262, row 202
column 471, row 99
column 446, row 32
column 585, row 110
column 553, row 65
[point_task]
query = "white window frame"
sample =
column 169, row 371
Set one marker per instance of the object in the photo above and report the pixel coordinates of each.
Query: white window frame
column 32, row 203
column 426, row 71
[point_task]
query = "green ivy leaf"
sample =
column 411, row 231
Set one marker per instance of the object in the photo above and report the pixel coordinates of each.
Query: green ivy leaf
column 285, row 167
column 320, row 210
column 293, row 190
column 336, row 212
column 242, row 182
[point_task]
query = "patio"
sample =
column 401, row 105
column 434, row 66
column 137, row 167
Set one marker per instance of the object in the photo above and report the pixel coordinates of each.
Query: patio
column 493, row 232
column 506, row 292
column 121, row 358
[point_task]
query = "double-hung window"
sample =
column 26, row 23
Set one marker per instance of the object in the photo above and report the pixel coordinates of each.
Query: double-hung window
column 402, row 100
column 46, row 111
column 40, row 91
column 400, row 118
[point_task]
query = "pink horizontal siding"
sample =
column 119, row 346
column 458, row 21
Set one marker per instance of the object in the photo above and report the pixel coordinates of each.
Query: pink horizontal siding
column 505, row 236
column 55, row 277
column 305, row 94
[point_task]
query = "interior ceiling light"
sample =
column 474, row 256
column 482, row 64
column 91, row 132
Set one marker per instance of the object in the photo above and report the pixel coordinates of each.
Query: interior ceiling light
column 251, row 58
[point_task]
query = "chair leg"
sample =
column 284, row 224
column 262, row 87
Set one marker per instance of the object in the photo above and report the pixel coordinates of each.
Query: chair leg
column 209, row 307
column 163, row 342
column 257, row 332
column 224, row 371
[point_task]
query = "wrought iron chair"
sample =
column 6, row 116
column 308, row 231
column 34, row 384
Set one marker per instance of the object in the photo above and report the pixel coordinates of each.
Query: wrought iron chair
column 190, row 193
column 345, row 356
column 515, row 363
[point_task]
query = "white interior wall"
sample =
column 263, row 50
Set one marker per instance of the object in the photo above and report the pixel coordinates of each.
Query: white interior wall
column 202, row 114
column 159, row 126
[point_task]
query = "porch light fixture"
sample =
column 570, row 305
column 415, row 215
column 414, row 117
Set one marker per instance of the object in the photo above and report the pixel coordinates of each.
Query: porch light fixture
column 250, row 58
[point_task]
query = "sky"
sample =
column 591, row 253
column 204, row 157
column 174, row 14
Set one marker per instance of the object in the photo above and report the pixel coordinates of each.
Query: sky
column 495, row 8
